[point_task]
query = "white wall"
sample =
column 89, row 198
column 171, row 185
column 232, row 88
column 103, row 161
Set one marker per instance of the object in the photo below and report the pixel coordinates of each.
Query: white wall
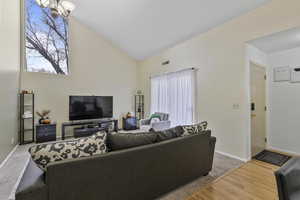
column 9, row 74
column 96, row 68
column 220, row 55
column 284, row 105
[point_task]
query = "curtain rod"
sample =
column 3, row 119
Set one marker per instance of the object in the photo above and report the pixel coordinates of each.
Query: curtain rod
column 182, row 70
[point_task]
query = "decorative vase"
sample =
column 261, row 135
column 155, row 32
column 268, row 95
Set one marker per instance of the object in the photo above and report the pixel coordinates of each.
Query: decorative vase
column 41, row 120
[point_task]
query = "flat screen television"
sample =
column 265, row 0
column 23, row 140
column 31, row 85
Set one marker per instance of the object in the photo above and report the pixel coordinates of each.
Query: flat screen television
column 90, row 107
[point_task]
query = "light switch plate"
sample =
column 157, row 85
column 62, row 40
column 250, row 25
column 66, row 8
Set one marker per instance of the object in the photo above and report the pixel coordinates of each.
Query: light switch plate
column 236, row 106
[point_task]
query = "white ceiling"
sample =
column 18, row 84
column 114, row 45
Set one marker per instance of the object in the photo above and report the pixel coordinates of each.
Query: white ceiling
column 284, row 40
column 142, row 28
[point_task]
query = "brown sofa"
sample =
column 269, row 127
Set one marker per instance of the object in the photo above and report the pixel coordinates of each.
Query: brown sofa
column 144, row 172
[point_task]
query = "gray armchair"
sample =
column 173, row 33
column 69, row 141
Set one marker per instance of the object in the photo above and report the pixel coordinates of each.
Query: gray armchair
column 288, row 180
column 164, row 123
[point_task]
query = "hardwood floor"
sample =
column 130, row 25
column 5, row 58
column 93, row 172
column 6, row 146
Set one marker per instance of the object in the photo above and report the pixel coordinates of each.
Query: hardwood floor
column 254, row 180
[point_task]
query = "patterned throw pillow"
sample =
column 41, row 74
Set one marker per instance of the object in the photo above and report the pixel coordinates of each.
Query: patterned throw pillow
column 44, row 154
column 121, row 141
column 155, row 116
column 194, row 129
column 93, row 145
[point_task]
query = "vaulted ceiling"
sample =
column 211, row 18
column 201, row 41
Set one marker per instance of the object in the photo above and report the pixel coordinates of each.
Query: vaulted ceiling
column 143, row 28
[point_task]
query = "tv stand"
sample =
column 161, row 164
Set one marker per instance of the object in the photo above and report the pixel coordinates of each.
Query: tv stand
column 87, row 122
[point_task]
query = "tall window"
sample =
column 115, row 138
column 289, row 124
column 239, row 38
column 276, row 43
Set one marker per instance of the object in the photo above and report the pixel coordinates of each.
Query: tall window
column 174, row 93
column 46, row 40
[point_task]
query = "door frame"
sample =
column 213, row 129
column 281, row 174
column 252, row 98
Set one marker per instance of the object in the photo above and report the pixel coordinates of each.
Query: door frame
column 249, row 145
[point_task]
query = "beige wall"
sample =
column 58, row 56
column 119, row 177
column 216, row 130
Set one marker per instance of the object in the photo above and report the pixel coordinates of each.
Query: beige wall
column 9, row 74
column 222, row 78
column 96, row 68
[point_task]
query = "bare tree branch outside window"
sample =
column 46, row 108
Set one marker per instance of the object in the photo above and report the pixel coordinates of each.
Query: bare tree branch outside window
column 46, row 40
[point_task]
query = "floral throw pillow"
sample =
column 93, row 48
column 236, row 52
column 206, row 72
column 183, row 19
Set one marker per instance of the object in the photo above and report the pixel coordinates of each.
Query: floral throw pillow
column 44, row 154
column 93, row 145
column 194, row 129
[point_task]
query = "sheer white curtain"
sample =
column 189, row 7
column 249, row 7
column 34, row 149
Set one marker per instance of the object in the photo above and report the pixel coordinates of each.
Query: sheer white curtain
column 174, row 93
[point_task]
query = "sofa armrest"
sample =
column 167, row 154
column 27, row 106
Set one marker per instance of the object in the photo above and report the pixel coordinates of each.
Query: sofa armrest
column 161, row 125
column 288, row 178
column 212, row 144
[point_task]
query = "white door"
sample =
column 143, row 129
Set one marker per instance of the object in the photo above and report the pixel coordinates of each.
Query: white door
column 258, row 108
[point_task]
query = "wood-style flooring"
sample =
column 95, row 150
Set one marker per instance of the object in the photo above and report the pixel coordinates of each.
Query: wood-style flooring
column 254, row 180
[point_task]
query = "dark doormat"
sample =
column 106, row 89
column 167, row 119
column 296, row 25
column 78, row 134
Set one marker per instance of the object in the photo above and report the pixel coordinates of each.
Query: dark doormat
column 272, row 157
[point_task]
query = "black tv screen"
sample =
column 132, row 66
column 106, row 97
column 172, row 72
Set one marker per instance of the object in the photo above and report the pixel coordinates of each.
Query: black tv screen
column 90, row 107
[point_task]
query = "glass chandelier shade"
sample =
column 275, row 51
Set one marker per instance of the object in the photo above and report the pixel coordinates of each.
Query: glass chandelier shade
column 43, row 3
column 65, row 8
column 58, row 7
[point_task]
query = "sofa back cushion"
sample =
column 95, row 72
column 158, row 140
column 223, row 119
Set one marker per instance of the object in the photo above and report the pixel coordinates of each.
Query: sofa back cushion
column 118, row 141
column 169, row 133
column 43, row 154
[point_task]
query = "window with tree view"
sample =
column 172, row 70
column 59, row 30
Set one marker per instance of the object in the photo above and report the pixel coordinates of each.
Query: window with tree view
column 46, row 40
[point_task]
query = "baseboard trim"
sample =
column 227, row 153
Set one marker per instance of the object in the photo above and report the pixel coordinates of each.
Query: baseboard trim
column 232, row 156
column 283, row 151
column 8, row 156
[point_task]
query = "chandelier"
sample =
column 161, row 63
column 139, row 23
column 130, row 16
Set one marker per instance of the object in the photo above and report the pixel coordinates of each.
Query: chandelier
column 57, row 7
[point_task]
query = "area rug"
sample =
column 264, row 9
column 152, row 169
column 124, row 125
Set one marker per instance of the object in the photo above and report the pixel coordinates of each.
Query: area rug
column 272, row 158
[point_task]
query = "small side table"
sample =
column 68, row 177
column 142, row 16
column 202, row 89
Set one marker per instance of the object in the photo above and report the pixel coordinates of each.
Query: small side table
column 45, row 132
